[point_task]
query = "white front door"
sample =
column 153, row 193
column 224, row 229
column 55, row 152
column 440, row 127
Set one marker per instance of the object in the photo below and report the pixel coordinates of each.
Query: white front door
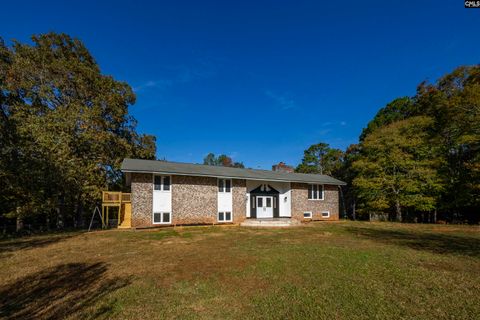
column 264, row 207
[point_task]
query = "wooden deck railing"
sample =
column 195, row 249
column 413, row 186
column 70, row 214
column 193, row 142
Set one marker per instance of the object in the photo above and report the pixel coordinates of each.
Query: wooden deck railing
column 115, row 197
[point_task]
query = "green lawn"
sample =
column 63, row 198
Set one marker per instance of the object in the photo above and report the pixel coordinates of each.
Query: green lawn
column 345, row 270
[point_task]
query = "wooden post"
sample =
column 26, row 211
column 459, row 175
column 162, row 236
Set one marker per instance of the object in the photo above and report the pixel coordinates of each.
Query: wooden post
column 103, row 217
column 119, row 209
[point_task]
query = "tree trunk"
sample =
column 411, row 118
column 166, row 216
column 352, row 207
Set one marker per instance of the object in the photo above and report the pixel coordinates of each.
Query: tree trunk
column 398, row 211
column 19, row 224
column 47, row 221
column 353, row 211
column 60, row 212
column 435, row 216
column 78, row 220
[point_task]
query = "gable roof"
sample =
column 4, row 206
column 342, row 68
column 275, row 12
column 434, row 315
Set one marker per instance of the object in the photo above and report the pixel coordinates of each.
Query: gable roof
column 190, row 169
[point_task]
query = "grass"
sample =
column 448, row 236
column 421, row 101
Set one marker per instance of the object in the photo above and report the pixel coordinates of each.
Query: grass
column 345, row 270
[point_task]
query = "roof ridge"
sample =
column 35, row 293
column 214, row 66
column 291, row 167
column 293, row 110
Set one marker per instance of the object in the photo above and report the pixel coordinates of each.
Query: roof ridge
column 193, row 169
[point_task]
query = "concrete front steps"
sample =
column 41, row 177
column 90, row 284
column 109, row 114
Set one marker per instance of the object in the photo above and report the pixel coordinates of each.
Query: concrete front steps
column 270, row 223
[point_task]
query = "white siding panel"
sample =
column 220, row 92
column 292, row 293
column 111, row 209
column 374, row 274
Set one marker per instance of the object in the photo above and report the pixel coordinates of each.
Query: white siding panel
column 225, row 201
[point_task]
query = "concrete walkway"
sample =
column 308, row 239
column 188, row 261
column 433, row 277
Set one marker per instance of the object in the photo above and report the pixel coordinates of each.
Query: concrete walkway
column 270, row 223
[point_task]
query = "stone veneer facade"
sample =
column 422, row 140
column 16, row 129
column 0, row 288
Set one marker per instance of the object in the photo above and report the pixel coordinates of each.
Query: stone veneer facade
column 194, row 200
column 239, row 200
column 142, row 199
column 301, row 203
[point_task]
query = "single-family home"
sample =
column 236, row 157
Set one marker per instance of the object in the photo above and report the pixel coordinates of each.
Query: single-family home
column 172, row 193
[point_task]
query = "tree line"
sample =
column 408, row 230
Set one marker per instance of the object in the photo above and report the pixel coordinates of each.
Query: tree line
column 64, row 130
column 418, row 159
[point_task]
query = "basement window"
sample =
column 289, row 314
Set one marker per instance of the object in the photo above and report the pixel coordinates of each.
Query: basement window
column 224, row 185
column 307, row 215
column 161, row 218
column 325, row 214
column 224, row 216
column 315, row 192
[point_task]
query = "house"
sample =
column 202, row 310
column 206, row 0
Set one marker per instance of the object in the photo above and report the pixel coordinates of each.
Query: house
column 171, row 193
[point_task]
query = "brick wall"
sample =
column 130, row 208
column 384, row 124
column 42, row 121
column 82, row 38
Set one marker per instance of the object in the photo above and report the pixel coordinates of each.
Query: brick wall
column 142, row 199
column 239, row 200
column 300, row 202
column 194, row 200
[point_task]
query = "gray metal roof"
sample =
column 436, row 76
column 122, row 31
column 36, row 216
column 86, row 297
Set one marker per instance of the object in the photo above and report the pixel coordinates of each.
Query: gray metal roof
column 190, row 169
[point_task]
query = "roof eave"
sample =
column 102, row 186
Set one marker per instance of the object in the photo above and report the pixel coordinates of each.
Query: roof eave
column 336, row 183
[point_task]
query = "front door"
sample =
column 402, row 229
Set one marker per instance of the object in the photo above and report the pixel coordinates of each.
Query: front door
column 264, row 207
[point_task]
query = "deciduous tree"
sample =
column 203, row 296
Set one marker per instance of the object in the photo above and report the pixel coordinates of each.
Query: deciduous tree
column 68, row 127
column 320, row 158
column 397, row 168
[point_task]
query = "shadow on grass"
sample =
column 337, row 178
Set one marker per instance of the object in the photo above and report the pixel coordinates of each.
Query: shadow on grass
column 436, row 243
column 10, row 245
column 58, row 292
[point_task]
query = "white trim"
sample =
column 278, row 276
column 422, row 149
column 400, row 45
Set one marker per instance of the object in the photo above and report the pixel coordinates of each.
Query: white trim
column 323, row 192
column 265, row 199
column 307, row 212
column 327, row 212
column 161, row 199
column 161, row 218
column 224, row 185
column 162, row 178
column 224, row 214
column 231, row 177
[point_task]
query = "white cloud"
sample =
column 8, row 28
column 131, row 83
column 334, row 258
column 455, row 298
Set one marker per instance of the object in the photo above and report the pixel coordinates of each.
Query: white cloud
column 203, row 69
column 158, row 84
column 282, row 99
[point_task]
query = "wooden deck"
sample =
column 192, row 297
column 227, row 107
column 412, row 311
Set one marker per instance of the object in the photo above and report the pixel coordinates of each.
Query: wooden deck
column 115, row 197
column 122, row 201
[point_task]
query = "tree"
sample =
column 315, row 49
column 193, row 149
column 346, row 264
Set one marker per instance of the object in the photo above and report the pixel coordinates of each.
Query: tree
column 222, row 160
column 398, row 109
column 210, row 160
column 320, row 158
column 69, row 128
column 397, row 168
column 346, row 173
column 454, row 103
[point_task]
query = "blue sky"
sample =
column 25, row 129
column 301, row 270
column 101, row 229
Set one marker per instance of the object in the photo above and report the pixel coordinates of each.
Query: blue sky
column 259, row 80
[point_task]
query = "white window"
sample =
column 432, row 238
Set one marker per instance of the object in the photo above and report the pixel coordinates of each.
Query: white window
column 315, row 192
column 325, row 214
column 225, row 216
column 224, row 185
column 162, row 218
column 161, row 183
column 307, row 215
